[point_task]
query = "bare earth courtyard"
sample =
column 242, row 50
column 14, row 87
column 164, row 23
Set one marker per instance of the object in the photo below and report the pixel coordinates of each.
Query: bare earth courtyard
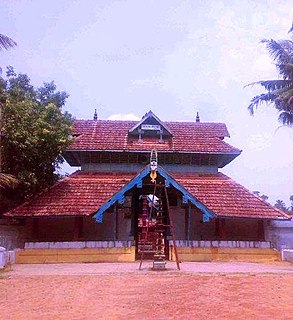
column 120, row 291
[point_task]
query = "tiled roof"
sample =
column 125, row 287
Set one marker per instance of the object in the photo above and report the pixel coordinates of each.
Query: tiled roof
column 80, row 194
column 226, row 198
column 84, row 193
column 187, row 137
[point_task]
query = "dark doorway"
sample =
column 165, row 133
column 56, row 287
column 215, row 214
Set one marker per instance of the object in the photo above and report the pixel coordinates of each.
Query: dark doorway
column 151, row 217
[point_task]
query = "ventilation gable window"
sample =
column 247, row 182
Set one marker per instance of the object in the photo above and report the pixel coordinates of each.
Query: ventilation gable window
column 150, row 126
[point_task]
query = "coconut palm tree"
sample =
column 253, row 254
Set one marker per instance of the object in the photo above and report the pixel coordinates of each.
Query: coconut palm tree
column 278, row 92
column 280, row 204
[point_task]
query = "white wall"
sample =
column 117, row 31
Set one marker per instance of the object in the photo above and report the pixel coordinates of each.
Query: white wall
column 280, row 233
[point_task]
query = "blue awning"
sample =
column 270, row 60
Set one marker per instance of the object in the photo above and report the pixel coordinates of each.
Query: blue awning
column 137, row 182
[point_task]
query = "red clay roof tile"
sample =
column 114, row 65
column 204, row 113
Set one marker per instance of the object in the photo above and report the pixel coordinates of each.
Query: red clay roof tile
column 83, row 193
column 226, row 198
column 80, row 194
column 187, row 137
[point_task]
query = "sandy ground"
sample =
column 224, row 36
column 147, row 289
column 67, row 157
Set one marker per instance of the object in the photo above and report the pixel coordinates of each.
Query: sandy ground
column 121, row 291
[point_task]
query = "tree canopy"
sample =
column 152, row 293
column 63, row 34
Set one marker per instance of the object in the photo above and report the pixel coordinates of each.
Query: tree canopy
column 6, row 180
column 279, row 92
column 34, row 133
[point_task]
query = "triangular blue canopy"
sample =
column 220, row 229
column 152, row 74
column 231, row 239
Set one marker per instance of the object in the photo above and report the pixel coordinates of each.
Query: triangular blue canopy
column 137, row 181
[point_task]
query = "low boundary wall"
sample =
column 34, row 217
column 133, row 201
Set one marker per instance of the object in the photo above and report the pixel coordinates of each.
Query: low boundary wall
column 124, row 251
column 205, row 251
column 76, row 252
column 222, row 244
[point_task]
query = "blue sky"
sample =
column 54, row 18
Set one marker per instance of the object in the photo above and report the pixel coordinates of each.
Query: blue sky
column 174, row 57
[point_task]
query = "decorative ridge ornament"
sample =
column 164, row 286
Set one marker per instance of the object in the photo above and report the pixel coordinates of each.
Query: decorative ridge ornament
column 154, row 165
column 95, row 115
column 197, row 119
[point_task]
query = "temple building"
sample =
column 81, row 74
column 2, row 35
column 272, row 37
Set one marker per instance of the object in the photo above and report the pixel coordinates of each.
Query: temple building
column 98, row 213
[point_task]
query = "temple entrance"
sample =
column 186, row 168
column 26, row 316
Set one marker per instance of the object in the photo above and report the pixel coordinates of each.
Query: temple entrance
column 152, row 227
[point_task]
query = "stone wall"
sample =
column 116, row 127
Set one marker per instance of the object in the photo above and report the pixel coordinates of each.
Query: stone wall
column 287, row 255
column 280, row 233
column 12, row 237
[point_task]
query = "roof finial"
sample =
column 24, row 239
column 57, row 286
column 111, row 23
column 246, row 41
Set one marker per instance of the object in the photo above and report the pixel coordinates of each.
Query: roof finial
column 95, row 115
column 197, row 119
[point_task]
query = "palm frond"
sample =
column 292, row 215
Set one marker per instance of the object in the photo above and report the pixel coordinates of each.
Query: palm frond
column 279, row 92
column 272, row 85
column 286, row 69
column 6, row 42
column 7, row 181
column 286, row 118
column 286, row 93
column 257, row 100
column 279, row 50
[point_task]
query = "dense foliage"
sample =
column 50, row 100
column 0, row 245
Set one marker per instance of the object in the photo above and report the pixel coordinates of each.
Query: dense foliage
column 278, row 92
column 34, row 133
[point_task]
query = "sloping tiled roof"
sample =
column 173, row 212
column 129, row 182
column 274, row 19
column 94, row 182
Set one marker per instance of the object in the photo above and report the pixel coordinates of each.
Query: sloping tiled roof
column 84, row 193
column 80, row 194
column 226, row 198
column 187, row 137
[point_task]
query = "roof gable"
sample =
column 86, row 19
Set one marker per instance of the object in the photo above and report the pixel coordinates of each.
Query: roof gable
column 150, row 123
column 138, row 182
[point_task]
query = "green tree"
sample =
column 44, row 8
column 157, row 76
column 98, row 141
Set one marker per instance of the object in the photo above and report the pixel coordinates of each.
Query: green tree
column 262, row 197
column 280, row 204
column 279, row 92
column 6, row 180
column 35, row 132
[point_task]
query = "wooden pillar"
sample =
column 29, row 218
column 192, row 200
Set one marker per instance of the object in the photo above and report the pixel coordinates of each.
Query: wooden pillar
column 35, row 229
column 222, row 229
column 132, row 227
column 116, row 212
column 186, row 223
column 260, row 230
column 217, row 227
column 78, row 228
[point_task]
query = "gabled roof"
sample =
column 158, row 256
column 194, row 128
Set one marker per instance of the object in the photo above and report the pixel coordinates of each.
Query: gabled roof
column 190, row 137
column 148, row 117
column 85, row 193
column 138, row 181
column 80, row 194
